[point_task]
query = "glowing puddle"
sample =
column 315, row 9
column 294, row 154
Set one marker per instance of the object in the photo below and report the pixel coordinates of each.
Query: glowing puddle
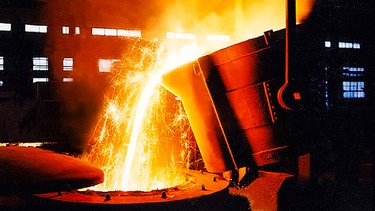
column 204, row 192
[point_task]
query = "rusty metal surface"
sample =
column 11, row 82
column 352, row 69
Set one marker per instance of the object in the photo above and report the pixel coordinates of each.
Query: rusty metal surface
column 188, row 83
column 252, row 106
column 230, row 99
column 26, row 170
column 250, row 62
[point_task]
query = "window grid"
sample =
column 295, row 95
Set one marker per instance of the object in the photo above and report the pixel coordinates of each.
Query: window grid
column 353, row 85
column 353, row 89
column 352, row 45
column 105, row 65
column 35, row 80
column 1, row 63
column 68, row 64
column 327, row 44
column 115, row 32
column 40, row 63
column 129, row 33
column 65, row 29
column 5, row 27
column 36, row 28
column 353, row 71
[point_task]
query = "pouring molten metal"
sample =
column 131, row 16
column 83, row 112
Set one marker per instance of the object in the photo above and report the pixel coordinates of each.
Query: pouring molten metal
column 142, row 139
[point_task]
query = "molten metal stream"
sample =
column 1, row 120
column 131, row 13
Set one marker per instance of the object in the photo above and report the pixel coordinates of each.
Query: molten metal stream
column 143, row 102
column 142, row 140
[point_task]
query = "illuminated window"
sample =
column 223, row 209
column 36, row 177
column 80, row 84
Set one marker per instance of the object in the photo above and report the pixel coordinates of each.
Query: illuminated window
column 129, row 33
column 105, row 65
column 327, row 44
column 353, row 71
column 326, row 94
column 77, row 30
column 115, row 32
column 68, row 64
column 1, row 63
column 349, row 45
column 218, row 37
column 5, row 27
column 353, row 89
column 36, row 28
column 97, row 31
column 181, row 36
column 40, row 63
column 110, row 32
column 65, row 29
column 1, row 83
column 356, row 46
column 67, row 79
column 353, row 84
column 35, row 80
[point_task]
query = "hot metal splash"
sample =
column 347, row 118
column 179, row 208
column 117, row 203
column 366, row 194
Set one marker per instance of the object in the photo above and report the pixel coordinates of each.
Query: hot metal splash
column 142, row 140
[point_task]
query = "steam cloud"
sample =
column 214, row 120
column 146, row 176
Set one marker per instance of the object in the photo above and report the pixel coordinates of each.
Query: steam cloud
column 239, row 19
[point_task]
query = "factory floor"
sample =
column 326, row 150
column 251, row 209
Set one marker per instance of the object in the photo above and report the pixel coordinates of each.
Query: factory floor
column 352, row 197
column 333, row 196
column 328, row 195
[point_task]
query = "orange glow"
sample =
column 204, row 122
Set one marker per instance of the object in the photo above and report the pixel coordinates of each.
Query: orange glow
column 239, row 19
column 137, row 126
column 142, row 140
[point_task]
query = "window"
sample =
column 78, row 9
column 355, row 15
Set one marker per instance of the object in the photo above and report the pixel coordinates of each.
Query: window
column 327, row 44
column 349, row 45
column 129, row 33
column 1, row 63
column 353, row 71
column 68, row 64
column 35, row 80
column 353, row 89
column 5, row 27
column 326, row 94
column 110, row 32
column 77, row 30
column 1, row 83
column 36, row 28
column 97, row 31
column 353, row 84
column 67, row 79
column 115, row 32
column 65, row 29
column 105, row 65
column 40, row 63
column 356, row 46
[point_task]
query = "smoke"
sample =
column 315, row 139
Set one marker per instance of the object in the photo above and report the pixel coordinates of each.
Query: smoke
column 239, row 19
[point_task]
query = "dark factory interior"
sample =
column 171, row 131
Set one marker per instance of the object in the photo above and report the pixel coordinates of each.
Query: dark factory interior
column 275, row 114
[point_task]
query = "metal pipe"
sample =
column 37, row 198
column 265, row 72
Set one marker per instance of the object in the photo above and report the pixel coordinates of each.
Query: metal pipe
column 290, row 35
